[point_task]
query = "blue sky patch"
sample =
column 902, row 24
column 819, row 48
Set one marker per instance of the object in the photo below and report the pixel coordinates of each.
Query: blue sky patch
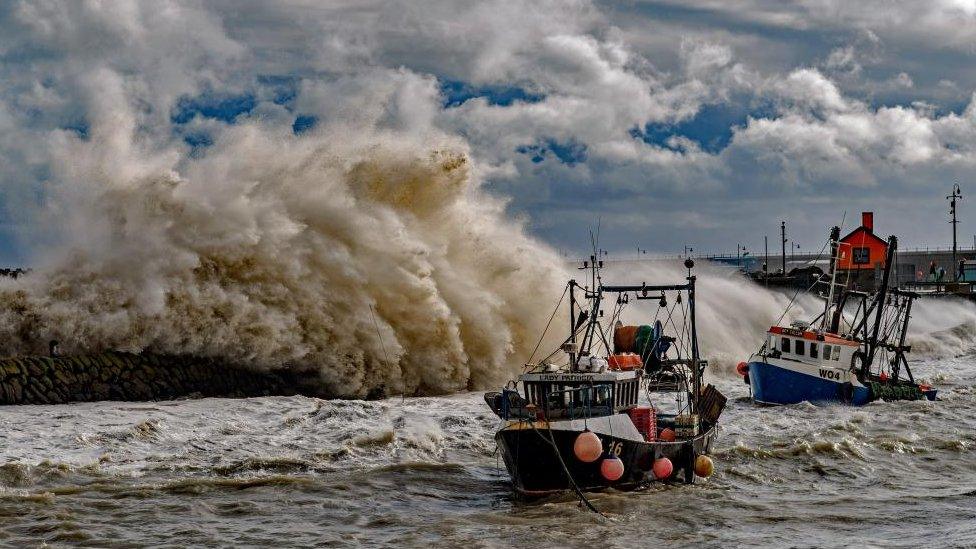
column 455, row 93
column 303, row 123
column 570, row 152
column 283, row 89
column 711, row 127
column 198, row 142
column 79, row 127
column 223, row 108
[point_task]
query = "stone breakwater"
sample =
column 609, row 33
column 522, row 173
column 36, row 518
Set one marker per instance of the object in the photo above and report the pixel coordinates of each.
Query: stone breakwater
column 126, row 376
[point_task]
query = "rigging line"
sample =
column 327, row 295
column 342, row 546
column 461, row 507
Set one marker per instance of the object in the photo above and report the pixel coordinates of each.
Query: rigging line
column 670, row 320
column 559, row 348
column 552, row 442
column 403, row 382
column 657, row 341
column 893, row 324
column 603, row 336
column 684, row 327
column 552, row 316
column 618, row 311
column 797, row 292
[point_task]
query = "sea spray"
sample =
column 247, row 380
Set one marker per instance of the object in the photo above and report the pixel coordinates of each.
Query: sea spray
column 269, row 251
column 942, row 328
column 733, row 313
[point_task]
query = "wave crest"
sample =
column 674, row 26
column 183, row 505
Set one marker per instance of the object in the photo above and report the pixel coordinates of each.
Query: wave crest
column 373, row 262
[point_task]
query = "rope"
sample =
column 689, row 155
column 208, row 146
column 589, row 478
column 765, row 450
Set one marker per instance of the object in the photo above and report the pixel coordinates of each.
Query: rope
column 552, row 442
column 550, row 355
column 797, row 292
column 795, row 295
column 403, row 382
column 552, row 316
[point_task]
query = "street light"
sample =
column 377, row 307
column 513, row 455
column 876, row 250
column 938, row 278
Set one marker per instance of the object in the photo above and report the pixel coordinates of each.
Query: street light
column 956, row 194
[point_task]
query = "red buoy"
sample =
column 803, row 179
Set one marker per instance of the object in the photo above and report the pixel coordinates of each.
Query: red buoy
column 667, row 434
column 742, row 369
column 612, row 468
column 587, row 447
column 663, row 468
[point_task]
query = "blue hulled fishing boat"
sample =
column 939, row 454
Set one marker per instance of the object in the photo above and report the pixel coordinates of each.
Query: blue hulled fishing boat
column 854, row 352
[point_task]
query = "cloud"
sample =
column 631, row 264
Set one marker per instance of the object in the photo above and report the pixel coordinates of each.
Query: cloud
column 567, row 109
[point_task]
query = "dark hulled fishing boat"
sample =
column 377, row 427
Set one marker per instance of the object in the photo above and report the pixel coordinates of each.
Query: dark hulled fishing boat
column 839, row 359
column 618, row 414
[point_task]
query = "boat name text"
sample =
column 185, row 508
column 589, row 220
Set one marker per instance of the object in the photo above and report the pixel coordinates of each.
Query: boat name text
column 830, row 374
column 566, row 377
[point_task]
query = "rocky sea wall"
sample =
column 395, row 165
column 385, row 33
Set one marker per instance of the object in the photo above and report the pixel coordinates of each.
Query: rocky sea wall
column 135, row 377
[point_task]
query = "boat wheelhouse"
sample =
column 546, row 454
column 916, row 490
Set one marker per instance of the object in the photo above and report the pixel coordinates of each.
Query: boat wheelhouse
column 582, row 394
column 792, row 356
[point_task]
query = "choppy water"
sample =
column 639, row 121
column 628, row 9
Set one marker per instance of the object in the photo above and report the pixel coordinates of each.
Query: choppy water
column 301, row 472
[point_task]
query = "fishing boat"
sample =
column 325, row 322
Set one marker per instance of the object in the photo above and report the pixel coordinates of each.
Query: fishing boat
column 853, row 352
column 613, row 405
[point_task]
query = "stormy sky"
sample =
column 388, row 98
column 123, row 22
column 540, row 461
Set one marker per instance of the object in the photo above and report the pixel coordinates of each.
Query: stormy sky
column 669, row 123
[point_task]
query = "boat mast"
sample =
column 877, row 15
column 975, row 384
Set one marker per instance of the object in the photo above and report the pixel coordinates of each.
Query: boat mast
column 595, row 295
column 695, row 363
column 910, row 297
column 834, row 247
column 572, row 325
column 879, row 303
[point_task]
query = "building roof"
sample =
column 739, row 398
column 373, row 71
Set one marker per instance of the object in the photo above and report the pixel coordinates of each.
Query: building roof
column 865, row 230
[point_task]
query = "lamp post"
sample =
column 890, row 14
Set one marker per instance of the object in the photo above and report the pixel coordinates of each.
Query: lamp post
column 782, row 230
column 956, row 195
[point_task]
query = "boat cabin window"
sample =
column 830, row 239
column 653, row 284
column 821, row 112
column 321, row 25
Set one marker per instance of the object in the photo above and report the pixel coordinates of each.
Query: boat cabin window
column 785, row 345
column 583, row 399
column 828, row 349
column 814, row 351
column 837, row 352
column 799, row 347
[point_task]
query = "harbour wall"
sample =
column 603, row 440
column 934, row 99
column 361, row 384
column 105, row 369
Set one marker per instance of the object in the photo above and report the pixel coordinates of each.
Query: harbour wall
column 908, row 263
column 126, row 376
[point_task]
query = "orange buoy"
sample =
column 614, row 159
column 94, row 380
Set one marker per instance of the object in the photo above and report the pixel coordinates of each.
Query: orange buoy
column 662, row 468
column 704, row 466
column 588, row 447
column 742, row 368
column 612, row 468
column 667, row 434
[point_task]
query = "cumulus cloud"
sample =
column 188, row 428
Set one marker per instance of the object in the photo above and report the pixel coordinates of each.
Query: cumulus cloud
column 566, row 108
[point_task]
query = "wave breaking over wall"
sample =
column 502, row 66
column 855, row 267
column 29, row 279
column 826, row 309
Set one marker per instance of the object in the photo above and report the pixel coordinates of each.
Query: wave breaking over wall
column 373, row 263
column 366, row 263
